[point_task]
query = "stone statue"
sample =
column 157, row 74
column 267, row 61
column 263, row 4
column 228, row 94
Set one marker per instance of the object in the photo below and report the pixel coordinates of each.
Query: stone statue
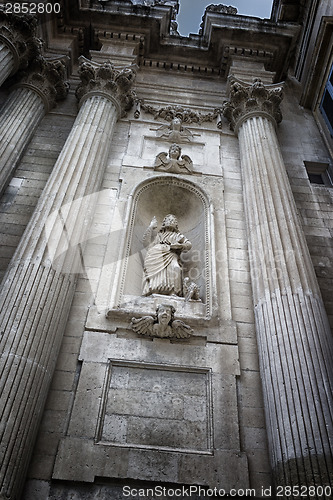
column 173, row 163
column 163, row 325
column 163, row 272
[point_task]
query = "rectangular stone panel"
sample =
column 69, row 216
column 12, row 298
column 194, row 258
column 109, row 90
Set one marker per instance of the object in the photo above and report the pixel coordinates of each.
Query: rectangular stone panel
column 156, row 406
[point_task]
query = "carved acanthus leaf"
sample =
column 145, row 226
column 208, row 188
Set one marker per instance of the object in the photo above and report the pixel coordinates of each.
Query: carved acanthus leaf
column 248, row 99
column 47, row 78
column 107, row 79
column 19, row 33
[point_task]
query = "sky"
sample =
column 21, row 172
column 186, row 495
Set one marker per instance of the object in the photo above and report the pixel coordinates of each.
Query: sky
column 191, row 11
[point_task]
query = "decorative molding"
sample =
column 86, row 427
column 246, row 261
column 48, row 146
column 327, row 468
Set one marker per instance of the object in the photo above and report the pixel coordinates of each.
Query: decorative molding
column 250, row 53
column 18, row 33
column 47, row 79
column 107, row 80
column 252, row 100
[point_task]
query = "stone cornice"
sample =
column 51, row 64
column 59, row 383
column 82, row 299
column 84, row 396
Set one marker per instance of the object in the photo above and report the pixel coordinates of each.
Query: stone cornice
column 256, row 99
column 18, row 33
column 108, row 81
column 47, row 79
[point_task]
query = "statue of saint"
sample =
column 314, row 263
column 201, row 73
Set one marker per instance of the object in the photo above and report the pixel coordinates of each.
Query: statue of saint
column 162, row 266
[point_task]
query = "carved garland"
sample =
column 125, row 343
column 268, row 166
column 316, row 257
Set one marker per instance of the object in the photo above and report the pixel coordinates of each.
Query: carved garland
column 186, row 115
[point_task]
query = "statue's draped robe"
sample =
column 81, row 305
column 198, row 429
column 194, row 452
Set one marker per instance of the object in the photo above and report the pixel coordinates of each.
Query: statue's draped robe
column 162, row 268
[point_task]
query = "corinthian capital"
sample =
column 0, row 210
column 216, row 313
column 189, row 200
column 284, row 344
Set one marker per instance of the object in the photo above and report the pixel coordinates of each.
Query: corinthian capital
column 47, row 79
column 18, row 33
column 252, row 100
column 105, row 79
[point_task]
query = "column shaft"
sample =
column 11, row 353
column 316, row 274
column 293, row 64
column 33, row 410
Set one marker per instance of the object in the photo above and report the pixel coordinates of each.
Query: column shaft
column 294, row 339
column 38, row 287
column 20, row 116
column 7, row 62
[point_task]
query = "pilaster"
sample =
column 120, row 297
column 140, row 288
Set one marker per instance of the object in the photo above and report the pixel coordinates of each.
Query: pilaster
column 30, row 99
column 40, row 283
column 294, row 339
column 18, row 43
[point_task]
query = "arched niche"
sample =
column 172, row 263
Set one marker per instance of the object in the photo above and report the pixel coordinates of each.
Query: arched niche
column 158, row 197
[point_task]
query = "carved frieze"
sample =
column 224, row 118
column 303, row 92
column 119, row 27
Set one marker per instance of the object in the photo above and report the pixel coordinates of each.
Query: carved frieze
column 162, row 325
column 169, row 113
column 47, row 79
column 173, row 161
column 255, row 99
column 18, row 32
column 106, row 79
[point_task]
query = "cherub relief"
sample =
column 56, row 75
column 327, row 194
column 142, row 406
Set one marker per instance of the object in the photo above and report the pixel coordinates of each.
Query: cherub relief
column 175, row 132
column 173, row 162
column 163, row 325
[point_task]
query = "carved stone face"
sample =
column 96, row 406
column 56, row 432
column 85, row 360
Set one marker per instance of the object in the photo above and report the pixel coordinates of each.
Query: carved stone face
column 174, row 151
column 164, row 315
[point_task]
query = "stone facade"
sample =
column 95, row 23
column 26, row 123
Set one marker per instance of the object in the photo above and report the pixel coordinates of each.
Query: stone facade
column 112, row 121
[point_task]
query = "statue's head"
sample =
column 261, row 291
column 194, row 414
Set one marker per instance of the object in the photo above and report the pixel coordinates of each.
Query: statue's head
column 174, row 151
column 165, row 314
column 170, row 222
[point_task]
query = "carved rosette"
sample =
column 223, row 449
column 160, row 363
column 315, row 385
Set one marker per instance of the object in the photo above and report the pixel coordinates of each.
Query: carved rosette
column 252, row 100
column 47, row 79
column 18, row 33
column 106, row 80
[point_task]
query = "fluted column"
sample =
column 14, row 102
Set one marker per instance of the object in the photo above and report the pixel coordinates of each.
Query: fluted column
column 28, row 102
column 18, row 43
column 39, row 286
column 294, row 338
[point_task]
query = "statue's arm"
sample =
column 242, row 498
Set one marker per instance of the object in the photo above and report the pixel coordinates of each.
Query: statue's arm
column 150, row 233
